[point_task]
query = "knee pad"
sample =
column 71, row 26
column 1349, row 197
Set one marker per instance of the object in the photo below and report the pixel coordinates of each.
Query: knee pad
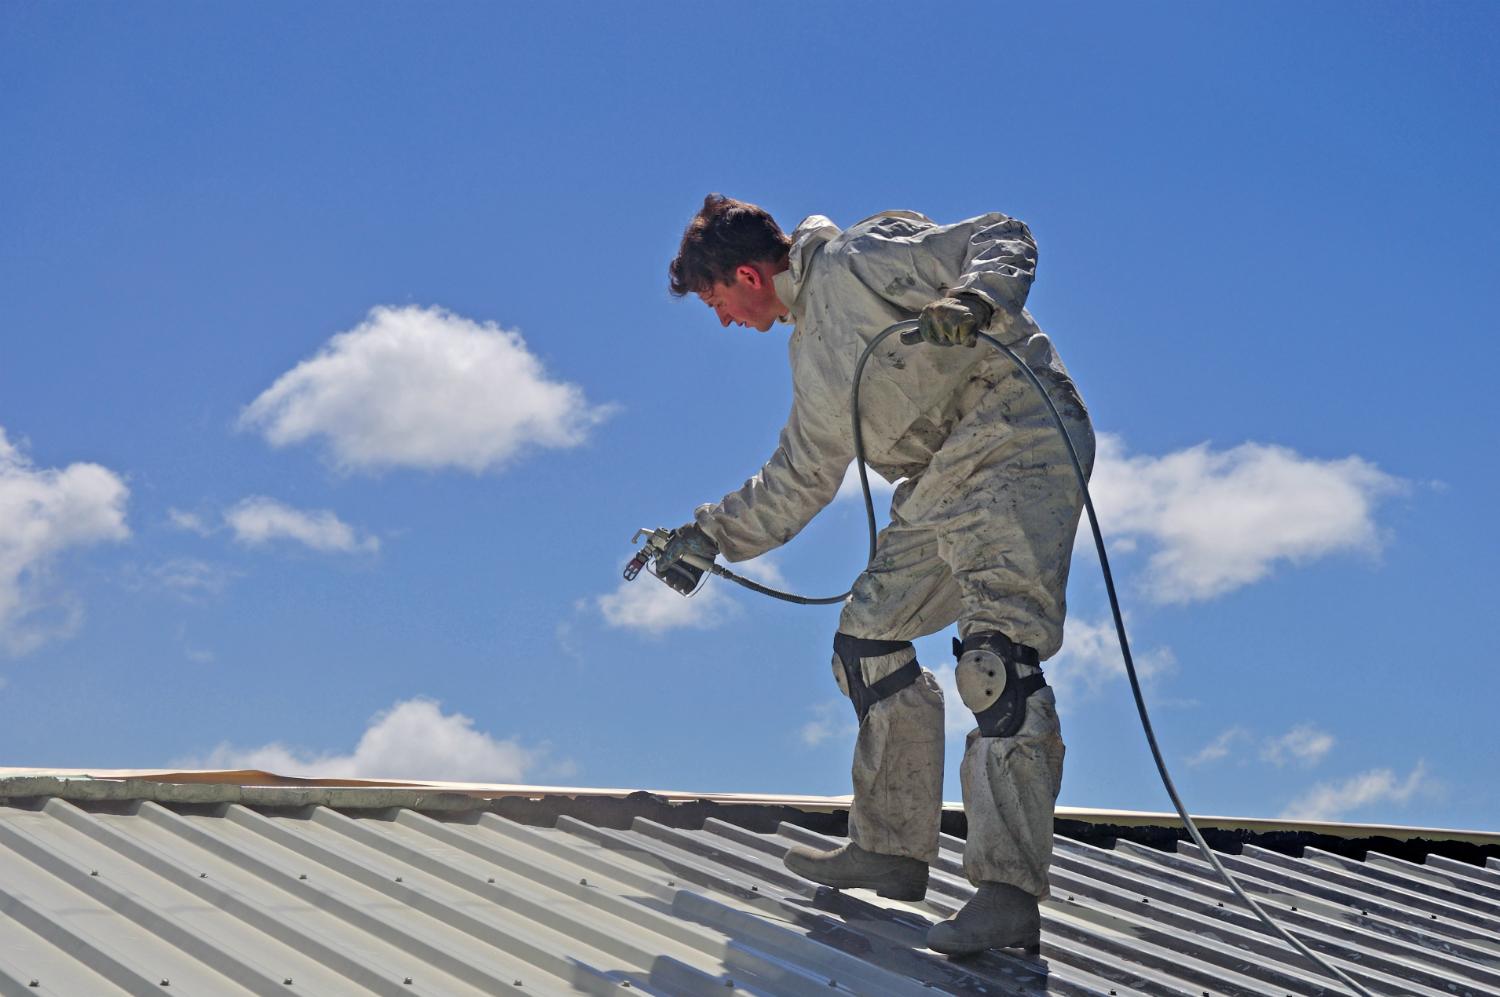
column 868, row 671
column 995, row 677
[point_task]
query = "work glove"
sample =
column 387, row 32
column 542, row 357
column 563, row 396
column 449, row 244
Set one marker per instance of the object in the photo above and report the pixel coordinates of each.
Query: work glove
column 672, row 569
column 954, row 321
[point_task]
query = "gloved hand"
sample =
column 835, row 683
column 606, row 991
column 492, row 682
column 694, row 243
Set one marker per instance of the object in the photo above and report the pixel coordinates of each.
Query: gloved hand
column 955, row 321
column 672, row 569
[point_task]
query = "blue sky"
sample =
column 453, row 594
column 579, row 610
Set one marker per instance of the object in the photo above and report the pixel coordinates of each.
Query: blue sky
column 338, row 368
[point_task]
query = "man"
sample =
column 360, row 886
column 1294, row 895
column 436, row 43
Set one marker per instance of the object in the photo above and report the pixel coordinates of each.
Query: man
column 981, row 528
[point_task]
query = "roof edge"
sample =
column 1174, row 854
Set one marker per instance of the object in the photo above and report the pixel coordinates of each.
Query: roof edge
column 259, row 788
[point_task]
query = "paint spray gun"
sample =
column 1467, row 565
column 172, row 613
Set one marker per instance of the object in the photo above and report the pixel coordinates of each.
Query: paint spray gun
column 682, row 574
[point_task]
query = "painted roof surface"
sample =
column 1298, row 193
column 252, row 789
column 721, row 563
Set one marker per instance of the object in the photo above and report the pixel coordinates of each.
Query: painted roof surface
column 136, row 896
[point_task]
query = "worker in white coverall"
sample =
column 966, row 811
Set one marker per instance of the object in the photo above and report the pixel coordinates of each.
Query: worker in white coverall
column 981, row 528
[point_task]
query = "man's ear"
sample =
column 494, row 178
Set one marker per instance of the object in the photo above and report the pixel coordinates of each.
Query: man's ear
column 750, row 275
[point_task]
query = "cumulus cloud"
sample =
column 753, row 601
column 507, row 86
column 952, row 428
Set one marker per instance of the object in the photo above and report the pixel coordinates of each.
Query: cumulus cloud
column 1334, row 800
column 188, row 578
column 414, row 740
column 1090, row 658
column 190, row 522
column 423, row 388
column 834, row 718
column 849, row 487
column 258, row 520
column 957, row 720
column 44, row 512
column 647, row 606
column 1304, row 744
column 1220, row 746
column 1218, row 520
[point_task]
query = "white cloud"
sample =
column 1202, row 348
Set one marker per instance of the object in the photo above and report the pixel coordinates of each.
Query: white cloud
column 1220, row 746
column 957, row 719
column 1219, row 520
column 257, row 520
column 650, row 607
column 187, row 578
column 43, row 512
column 191, row 522
column 1331, row 801
column 422, row 387
column 414, row 739
column 834, row 718
column 1304, row 743
column 849, row 487
column 1090, row 657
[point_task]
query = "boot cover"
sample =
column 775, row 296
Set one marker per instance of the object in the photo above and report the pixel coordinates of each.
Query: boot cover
column 850, row 867
column 999, row 916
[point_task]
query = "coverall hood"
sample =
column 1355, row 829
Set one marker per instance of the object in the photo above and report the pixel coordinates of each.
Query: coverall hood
column 808, row 239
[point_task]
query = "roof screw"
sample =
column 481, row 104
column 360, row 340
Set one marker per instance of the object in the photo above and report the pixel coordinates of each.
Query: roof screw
column 287, row 982
column 34, row 983
column 406, row 982
column 754, row 888
column 729, row 984
column 1070, row 896
column 1434, row 917
column 93, row 872
column 398, row 879
column 1221, row 903
column 832, row 982
column 491, row 879
column 1145, row 900
column 583, row 882
column 166, row 983
column 1294, row 907
column 303, row 876
column 625, row 984
column 202, row 875
column 515, row 983
column 671, row 882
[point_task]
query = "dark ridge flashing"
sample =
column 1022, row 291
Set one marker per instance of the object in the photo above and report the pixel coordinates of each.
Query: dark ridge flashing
column 615, row 810
column 619, row 812
column 1288, row 842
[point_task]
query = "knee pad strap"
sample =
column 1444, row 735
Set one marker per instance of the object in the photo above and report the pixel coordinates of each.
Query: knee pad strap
column 995, row 678
column 850, row 653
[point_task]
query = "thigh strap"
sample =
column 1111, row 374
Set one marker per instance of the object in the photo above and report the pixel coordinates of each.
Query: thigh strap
column 851, row 653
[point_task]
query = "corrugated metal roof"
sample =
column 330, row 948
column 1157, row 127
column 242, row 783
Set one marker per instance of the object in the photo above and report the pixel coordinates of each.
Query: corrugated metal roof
column 140, row 897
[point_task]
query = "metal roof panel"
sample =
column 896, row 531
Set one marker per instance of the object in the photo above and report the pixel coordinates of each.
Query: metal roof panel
column 117, row 895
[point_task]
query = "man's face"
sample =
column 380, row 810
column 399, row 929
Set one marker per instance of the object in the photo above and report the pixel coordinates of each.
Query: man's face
column 749, row 299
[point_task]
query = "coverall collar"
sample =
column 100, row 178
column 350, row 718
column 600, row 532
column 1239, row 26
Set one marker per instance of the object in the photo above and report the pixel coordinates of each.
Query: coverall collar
column 808, row 238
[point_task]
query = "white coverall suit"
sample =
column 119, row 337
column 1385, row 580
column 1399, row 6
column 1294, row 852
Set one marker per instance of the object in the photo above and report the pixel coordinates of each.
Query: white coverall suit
column 981, row 528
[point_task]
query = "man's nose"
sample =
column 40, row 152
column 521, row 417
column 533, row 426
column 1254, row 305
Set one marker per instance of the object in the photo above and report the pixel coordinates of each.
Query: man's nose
column 723, row 318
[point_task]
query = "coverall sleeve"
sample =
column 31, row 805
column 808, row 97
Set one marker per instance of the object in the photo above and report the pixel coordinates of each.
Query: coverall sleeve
column 910, row 262
column 799, row 479
column 999, row 261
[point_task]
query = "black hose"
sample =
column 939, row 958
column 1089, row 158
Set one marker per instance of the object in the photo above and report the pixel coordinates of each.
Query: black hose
column 1114, row 606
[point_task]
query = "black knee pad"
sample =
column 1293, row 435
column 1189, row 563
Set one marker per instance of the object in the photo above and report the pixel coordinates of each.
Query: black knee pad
column 849, row 652
column 995, row 677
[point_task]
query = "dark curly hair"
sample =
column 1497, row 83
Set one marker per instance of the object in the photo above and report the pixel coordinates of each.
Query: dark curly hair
column 723, row 235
